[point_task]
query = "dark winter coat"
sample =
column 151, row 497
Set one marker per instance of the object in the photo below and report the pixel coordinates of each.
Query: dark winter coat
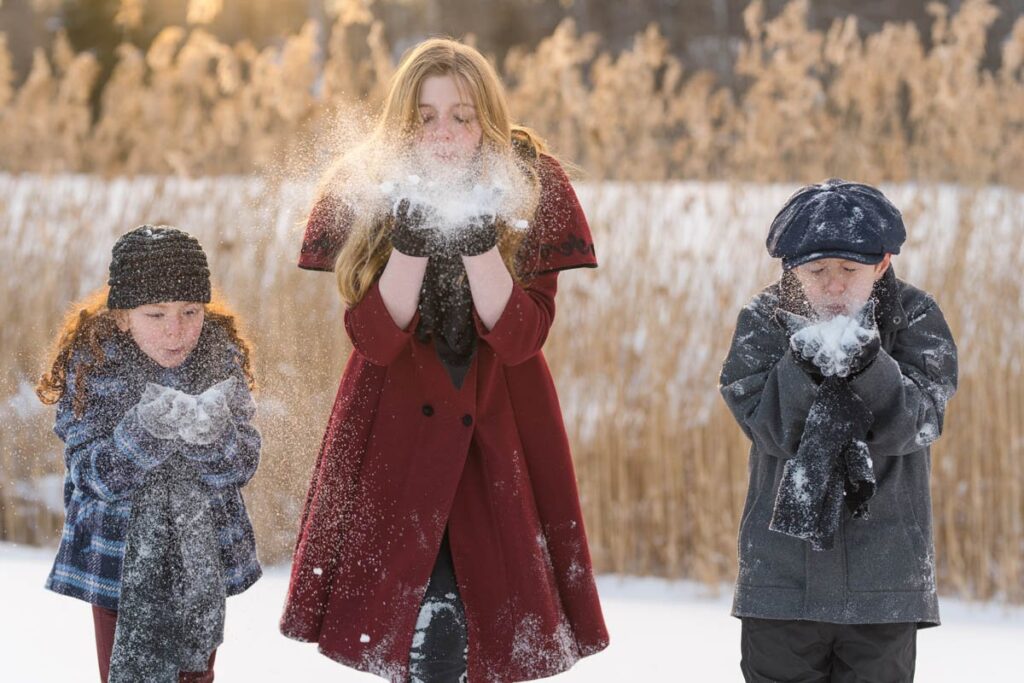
column 109, row 456
column 881, row 569
column 407, row 454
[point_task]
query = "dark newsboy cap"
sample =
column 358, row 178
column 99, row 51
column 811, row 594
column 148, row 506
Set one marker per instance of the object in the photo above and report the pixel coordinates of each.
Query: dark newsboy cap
column 836, row 219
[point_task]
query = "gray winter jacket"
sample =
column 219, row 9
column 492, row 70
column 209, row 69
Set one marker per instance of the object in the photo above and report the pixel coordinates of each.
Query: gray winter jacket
column 882, row 569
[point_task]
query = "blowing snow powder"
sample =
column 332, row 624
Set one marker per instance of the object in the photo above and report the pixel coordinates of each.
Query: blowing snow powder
column 832, row 343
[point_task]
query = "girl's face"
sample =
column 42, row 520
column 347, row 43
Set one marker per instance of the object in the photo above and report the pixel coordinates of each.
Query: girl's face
column 449, row 128
column 836, row 286
column 165, row 332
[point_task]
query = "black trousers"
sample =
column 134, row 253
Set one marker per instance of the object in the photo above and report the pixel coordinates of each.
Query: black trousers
column 439, row 642
column 790, row 651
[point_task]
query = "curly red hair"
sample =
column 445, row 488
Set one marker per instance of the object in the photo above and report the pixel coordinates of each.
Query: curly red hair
column 89, row 323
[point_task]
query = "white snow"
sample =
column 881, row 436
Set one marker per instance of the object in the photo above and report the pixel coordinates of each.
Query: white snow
column 47, row 491
column 926, row 435
column 377, row 178
column 453, row 199
column 191, row 417
column 660, row 631
column 23, row 404
column 800, row 482
column 831, row 343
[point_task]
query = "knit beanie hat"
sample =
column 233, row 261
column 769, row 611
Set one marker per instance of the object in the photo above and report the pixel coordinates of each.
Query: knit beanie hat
column 157, row 264
column 836, row 219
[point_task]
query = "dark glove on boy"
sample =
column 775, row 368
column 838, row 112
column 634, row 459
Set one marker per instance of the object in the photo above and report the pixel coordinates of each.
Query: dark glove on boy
column 412, row 234
column 821, row 358
column 864, row 355
column 802, row 351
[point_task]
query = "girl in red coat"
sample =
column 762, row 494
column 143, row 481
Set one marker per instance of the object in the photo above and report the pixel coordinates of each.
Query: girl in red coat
column 442, row 538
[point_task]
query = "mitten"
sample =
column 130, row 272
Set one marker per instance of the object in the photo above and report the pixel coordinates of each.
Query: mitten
column 162, row 410
column 212, row 416
column 413, row 234
column 476, row 237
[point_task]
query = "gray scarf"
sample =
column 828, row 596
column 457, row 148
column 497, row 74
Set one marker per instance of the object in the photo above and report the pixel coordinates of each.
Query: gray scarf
column 171, row 610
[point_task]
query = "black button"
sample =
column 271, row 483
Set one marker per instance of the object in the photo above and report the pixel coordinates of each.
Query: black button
column 467, row 420
column 428, row 409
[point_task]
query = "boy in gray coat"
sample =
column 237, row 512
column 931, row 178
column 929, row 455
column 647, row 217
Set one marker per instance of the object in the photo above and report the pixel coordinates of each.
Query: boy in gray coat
column 839, row 374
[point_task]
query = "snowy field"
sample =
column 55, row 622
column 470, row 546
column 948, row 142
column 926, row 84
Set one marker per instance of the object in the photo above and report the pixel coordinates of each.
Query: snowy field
column 661, row 631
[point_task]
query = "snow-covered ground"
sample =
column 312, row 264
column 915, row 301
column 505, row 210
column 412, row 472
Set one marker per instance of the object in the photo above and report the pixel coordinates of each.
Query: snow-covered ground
column 661, row 631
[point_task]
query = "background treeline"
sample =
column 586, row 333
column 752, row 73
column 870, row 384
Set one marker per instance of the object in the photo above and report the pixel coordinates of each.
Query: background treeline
column 801, row 92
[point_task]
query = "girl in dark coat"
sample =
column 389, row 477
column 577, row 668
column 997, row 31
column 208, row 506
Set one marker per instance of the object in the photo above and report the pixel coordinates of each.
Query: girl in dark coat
column 151, row 382
column 442, row 538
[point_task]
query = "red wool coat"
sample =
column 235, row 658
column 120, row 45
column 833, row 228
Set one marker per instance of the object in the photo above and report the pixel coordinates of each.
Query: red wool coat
column 406, row 453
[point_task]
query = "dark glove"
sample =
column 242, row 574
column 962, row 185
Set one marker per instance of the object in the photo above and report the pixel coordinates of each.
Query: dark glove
column 803, row 352
column 860, row 484
column 865, row 354
column 413, row 235
column 810, row 354
column 476, row 237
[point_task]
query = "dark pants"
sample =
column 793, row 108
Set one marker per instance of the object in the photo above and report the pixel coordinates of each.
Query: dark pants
column 789, row 651
column 105, row 620
column 439, row 643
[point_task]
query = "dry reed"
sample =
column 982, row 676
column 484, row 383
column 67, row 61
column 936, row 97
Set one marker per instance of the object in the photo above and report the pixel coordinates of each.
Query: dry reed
column 637, row 344
column 635, row 350
column 809, row 103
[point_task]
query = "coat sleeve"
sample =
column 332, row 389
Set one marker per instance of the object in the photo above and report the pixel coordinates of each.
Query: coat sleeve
column 106, row 458
column 765, row 389
column 559, row 238
column 231, row 460
column 524, row 324
column 373, row 331
column 907, row 389
column 324, row 236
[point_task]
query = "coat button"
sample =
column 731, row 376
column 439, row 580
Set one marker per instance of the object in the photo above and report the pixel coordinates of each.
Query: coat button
column 428, row 409
column 467, row 420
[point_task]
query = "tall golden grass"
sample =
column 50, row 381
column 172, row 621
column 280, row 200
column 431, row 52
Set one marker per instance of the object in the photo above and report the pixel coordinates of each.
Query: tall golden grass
column 892, row 105
column 637, row 345
column 636, row 351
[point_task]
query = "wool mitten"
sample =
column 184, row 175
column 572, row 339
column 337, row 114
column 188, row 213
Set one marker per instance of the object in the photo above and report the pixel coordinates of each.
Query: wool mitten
column 162, row 410
column 413, row 233
column 476, row 237
column 837, row 347
column 213, row 414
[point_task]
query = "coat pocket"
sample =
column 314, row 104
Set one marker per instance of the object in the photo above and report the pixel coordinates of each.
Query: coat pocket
column 768, row 559
column 889, row 551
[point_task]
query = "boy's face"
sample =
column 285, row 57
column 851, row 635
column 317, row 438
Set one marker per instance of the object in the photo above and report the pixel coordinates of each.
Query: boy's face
column 166, row 332
column 836, row 286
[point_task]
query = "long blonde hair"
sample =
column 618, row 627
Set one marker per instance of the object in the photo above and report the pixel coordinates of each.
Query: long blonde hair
column 367, row 247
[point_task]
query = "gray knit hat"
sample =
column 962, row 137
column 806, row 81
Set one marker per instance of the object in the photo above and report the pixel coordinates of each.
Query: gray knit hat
column 156, row 264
